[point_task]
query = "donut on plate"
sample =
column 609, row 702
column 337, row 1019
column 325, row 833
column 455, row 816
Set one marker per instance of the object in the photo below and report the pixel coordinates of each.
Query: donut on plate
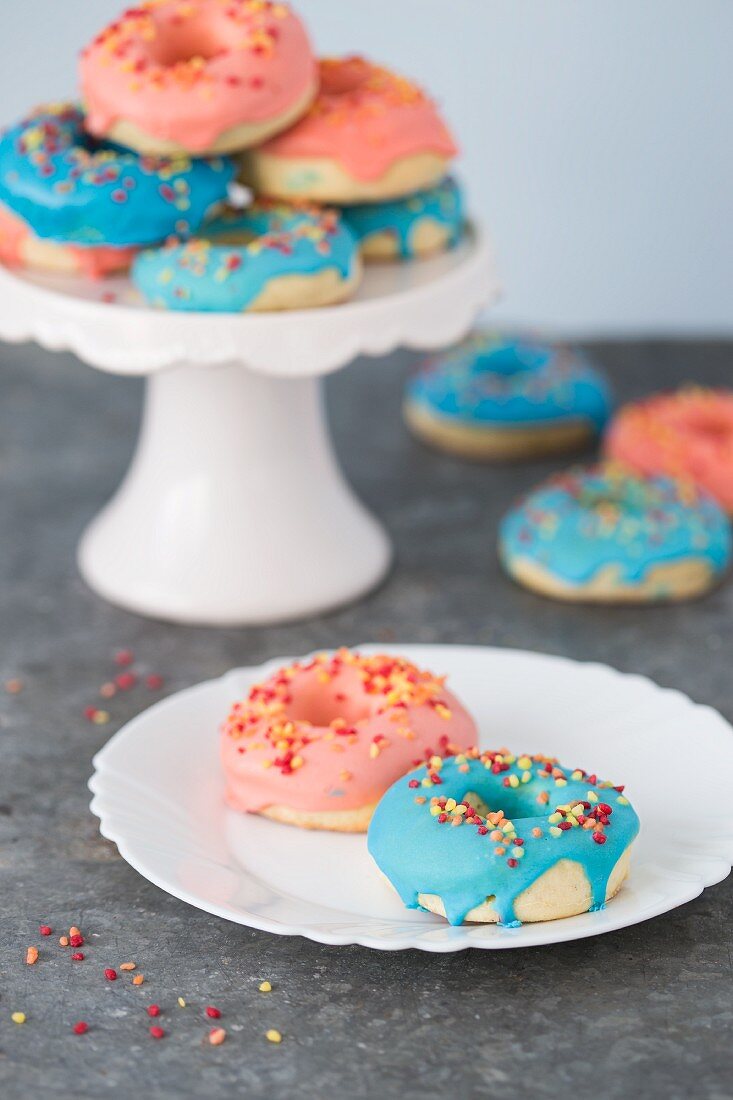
column 198, row 76
column 602, row 534
column 291, row 257
column 503, row 839
column 496, row 398
column 685, row 434
column 419, row 225
column 318, row 743
column 370, row 135
column 68, row 204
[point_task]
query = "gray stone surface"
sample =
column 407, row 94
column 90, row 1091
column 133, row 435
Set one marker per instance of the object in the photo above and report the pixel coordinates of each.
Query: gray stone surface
column 647, row 1011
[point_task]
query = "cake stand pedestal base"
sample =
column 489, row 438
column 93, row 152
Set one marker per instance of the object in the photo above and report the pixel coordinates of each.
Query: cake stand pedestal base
column 234, row 509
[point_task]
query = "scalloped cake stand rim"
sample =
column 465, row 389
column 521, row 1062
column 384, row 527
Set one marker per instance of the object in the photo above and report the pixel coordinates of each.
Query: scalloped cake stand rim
column 423, row 304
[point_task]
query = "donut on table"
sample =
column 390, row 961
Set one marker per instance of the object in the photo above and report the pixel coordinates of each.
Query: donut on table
column 68, row 204
column 602, row 534
column 318, row 743
column 295, row 257
column 493, row 398
column 535, row 841
column 198, row 76
column 418, row 225
column 685, row 434
column 370, row 135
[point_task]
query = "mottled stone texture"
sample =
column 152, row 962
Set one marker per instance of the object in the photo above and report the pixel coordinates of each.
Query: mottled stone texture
column 643, row 1012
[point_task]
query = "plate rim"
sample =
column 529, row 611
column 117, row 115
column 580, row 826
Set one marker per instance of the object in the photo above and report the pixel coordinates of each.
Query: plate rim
column 412, row 940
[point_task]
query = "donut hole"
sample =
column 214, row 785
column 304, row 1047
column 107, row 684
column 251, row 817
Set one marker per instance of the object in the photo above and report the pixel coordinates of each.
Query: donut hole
column 508, row 359
column 185, row 42
column 710, row 424
column 323, row 704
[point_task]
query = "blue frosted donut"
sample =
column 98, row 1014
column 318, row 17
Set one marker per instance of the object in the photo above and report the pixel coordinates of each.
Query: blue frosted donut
column 69, row 188
column 418, row 225
column 493, row 397
column 604, row 534
column 519, row 818
column 277, row 242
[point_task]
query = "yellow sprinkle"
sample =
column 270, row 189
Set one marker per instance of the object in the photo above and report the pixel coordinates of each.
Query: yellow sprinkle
column 561, row 782
column 436, row 763
column 526, row 776
column 592, row 796
column 273, row 1036
column 622, row 801
column 524, row 762
column 264, row 987
column 427, row 781
column 577, row 774
column 554, row 818
column 100, row 717
column 508, row 828
column 18, row 1017
column 181, row 1002
column 450, row 804
column 513, row 781
column 435, row 810
column 554, row 831
column 578, row 808
column 518, row 853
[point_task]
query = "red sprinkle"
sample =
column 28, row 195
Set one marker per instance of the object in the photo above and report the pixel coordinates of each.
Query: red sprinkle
column 213, row 1013
column 89, row 713
column 110, row 974
column 482, row 830
column 512, row 862
column 76, row 940
column 153, row 1010
column 154, row 682
column 600, row 838
column 45, row 929
column 156, row 1032
column 124, row 657
column 414, row 783
column 126, row 680
column 80, row 1027
column 78, row 956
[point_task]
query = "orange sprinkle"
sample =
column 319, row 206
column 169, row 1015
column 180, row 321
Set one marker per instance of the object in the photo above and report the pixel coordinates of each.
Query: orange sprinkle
column 31, row 955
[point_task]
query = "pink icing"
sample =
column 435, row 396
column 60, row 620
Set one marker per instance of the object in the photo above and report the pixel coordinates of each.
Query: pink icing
column 336, row 733
column 687, row 434
column 189, row 70
column 93, row 262
column 366, row 118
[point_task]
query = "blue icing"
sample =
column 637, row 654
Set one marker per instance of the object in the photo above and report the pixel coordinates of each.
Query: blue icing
column 490, row 380
column 580, row 522
column 277, row 240
column 422, row 854
column 442, row 204
column 72, row 189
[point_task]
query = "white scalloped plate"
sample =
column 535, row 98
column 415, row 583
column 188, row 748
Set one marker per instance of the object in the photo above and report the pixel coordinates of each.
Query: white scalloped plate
column 158, row 794
column 425, row 304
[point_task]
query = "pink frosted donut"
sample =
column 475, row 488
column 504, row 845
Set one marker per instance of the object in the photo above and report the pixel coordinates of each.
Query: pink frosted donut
column 198, row 76
column 318, row 744
column 370, row 135
column 687, row 434
column 20, row 247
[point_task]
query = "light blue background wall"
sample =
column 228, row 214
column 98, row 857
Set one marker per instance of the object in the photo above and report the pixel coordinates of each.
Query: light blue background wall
column 596, row 135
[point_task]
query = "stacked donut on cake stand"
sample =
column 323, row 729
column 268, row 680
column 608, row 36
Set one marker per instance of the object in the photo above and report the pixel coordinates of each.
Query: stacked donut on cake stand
column 234, row 509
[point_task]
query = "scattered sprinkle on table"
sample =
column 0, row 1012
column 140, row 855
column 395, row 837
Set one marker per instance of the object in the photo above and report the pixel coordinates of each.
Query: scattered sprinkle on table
column 14, row 686
column 124, row 657
column 212, row 1013
column 127, row 966
column 264, row 987
column 138, row 979
column 273, row 1036
column 110, row 974
column 157, row 1032
column 80, row 1027
column 181, row 1002
column 18, row 1017
column 153, row 1010
column 217, row 1035
column 31, row 955
column 45, row 929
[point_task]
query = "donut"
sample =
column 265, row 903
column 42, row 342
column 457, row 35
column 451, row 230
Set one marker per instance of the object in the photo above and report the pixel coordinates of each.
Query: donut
column 198, row 76
column 494, row 398
column 294, row 258
column 602, row 534
column 370, row 135
column 419, row 225
column 318, row 743
column 68, row 204
column 686, row 434
column 536, row 841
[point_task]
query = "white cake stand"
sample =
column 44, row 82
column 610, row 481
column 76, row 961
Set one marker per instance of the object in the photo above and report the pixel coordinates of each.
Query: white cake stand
column 234, row 510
